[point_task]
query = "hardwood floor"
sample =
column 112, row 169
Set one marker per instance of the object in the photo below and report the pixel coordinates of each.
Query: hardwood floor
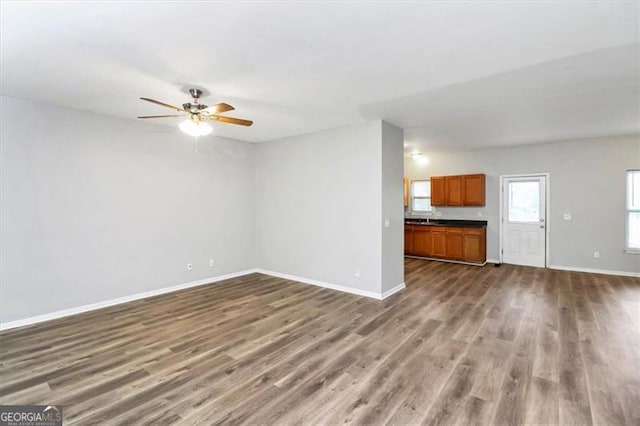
column 461, row 345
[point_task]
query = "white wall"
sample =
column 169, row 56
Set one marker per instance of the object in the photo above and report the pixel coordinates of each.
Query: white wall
column 320, row 207
column 392, row 207
column 587, row 179
column 95, row 208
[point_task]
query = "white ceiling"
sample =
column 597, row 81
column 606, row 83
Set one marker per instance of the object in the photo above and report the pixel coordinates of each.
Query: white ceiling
column 452, row 74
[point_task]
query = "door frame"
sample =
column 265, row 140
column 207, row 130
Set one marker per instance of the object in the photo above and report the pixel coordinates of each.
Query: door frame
column 547, row 219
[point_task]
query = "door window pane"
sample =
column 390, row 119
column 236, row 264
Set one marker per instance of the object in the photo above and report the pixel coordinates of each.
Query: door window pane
column 524, row 201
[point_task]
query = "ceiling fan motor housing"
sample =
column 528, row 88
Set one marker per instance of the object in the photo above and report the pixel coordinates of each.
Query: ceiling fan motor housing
column 193, row 107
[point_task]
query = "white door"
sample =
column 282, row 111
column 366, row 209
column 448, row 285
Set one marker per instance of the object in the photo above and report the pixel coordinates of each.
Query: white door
column 524, row 220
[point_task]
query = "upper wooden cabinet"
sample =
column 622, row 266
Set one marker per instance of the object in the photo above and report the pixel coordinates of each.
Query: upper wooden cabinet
column 438, row 191
column 405, row 182
column 473, row 190
column 454, row 188
column 458, row 190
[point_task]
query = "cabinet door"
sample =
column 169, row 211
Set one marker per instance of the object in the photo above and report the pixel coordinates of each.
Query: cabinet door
column 474, row 245
column 474, row 190
column 438, row 242
column 405, row 182
column 438, row 196
column 454, row 189
column 422, row 241
column 408, row 239
column 454, row 243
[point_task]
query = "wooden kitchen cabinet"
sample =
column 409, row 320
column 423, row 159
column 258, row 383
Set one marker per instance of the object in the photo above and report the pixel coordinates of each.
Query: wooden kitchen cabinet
column 458, row 190
column 474, row 244
column 473, row 190
column 465, row 244
column 405, row 182
column 454, row 189
column 408, row 239
column 421, row 241
column 454, row 243
column 438, row 192
column 439, row 241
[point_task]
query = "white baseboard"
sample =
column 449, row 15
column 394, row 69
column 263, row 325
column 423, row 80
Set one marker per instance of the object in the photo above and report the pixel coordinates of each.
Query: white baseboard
column 125, row 299
column 595, row 271
column 337, row 287
column 393, row 291
column 493, row 261
column 119, row 300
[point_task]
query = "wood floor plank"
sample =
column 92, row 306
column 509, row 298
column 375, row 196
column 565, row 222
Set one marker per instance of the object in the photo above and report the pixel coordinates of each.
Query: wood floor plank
column 461, row 345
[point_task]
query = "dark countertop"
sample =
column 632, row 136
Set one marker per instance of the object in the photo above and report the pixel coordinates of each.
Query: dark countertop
column 446, row 222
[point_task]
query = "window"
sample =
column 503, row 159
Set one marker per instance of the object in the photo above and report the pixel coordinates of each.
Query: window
column 633, row 210
column 420, row 196
column 524, row 201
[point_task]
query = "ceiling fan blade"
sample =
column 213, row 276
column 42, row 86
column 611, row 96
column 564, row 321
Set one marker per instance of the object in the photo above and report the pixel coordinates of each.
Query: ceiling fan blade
column 162, row 116
column 218, row 108
column 162, row 104
column 231, row 120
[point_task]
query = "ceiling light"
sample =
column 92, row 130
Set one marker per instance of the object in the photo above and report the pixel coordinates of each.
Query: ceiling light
column 195, row 127
column 420, row 158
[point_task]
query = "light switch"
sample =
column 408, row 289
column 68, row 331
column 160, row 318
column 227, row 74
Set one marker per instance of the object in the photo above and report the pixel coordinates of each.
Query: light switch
column 566, row 216
column 386, row 223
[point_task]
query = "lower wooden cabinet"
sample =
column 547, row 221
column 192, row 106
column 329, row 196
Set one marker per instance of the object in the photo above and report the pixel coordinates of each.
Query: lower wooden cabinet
column 422, row 241
column 454, row 243
column 467, row 244
column 408, row 239
column 474, row 244
column 439, row 241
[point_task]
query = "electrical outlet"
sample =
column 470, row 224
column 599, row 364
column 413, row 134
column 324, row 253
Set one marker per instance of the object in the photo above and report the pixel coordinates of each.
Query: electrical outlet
column 356, row 273
column 566, row 216
column 479, row 214
column 211, row 263
column 189, row 266
column 596, row 255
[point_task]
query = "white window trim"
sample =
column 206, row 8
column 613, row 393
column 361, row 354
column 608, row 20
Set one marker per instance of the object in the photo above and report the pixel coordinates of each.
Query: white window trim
column 628, row 211
column 420, row 212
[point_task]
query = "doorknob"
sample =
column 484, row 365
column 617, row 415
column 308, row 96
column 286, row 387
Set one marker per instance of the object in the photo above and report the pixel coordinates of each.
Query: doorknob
column 541, row 226
column 541, row 219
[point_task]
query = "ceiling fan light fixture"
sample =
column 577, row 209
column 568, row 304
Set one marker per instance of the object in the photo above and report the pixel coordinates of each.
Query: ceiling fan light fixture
column 195, row 128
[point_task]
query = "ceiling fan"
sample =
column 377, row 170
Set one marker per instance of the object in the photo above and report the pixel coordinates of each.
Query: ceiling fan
column 197, row 114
